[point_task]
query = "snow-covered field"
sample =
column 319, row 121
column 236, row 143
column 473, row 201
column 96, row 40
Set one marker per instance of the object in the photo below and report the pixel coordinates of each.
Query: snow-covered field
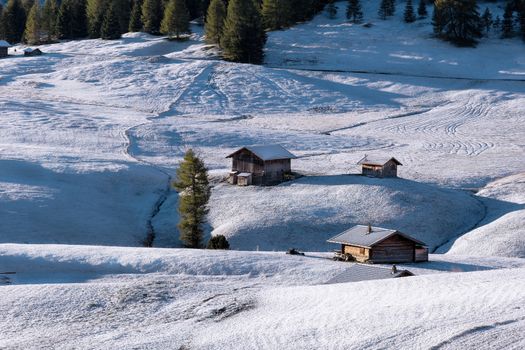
column 92, row 133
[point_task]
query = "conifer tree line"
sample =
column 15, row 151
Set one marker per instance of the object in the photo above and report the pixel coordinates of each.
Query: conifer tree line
column 461, row 22
column 238, row 27
column 34, row 22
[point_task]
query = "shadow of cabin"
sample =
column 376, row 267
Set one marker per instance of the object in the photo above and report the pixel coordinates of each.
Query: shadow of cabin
column 260, row 165
column 379, row 245
column 379, row 167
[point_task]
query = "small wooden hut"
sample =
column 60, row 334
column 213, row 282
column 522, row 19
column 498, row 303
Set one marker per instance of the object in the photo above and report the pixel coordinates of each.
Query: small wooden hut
column 380, row 245
column 4, row 47
column 32, row 52
column 379, row 167
column 260, row 165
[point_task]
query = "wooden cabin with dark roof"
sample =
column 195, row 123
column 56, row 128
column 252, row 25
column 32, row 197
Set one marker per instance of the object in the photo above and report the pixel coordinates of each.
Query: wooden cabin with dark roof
column 260, row 165
column 379, row 167
column 379, row 245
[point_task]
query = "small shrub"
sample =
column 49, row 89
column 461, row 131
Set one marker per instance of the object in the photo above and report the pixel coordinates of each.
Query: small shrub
column 218, row 242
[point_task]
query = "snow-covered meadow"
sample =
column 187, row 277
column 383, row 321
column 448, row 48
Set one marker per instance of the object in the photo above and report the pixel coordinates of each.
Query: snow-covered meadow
column 92, row 133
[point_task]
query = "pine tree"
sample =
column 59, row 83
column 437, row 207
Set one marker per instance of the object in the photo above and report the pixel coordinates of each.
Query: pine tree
column 110, row 29
column 422, row 9
column 486, row 20
column 33, row 32
column 194, row 193
column 391, row 8
column 64, row 20
column 383, row 9
column 409, row 16
column 176, row 19
column 2, row 37
column 243, row 36
column 95, row 12
column 152, row 16
column 277, row 14
column 521, row 16
column 215, row 22
column 14, row 19
column 79, row 19
column 203, row 9
column 49, row 19
column 507, row 26
column 497, row 23
column 301, row 10
column 354, row 12
column 459, row 21
column 27, row 5
column 331, row 10
column 437, row 20
column 123, row 10
column 135, row 21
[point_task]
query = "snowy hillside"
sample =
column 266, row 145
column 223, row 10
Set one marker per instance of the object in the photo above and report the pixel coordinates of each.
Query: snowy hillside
column 314, row 209
column 157, row 299
column 502, row 233
column 103, row 125
column 93, row 132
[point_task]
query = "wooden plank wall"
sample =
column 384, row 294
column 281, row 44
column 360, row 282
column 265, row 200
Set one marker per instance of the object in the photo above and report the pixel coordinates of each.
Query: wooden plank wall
column 394, row 249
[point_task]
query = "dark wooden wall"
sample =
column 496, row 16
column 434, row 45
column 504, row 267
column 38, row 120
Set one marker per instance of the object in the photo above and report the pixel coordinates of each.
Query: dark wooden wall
column 395, row 249
column 387, row 170
column 246, row 162
column 264, row 172
column 3, row 51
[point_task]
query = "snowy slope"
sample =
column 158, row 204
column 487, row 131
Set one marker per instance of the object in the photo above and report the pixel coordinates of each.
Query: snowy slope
column 392, row 46
column 502, row 233
column 313, row 209
column 93, row 130
column 466, row 306
column 158, row 298
column 99, row 126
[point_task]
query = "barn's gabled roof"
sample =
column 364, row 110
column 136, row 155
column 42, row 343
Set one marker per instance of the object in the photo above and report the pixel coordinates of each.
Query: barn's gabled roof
column 359, row 236
column 366, row 160
column 267, row 152
column 4, row 43
column 361, row 272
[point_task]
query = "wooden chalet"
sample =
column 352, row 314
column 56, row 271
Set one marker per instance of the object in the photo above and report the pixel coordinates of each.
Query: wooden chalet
column 32, row 52
column 260, row 165
column 379, row 167
column 379, row 245
column 4, row 46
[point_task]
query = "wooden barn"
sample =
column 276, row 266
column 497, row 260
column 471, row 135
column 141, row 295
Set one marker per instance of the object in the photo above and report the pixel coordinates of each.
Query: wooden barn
column 4, row 46
column 379, row 167
column 260, row 165
column 32, row 52
column 379, row 245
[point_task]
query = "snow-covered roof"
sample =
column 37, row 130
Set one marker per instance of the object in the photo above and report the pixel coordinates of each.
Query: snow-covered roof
column 244, row 175
column 360, row 272
column 4, row 43
column 366, row 160
column 359, row 236
column 28, row 50
column 268, row 152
